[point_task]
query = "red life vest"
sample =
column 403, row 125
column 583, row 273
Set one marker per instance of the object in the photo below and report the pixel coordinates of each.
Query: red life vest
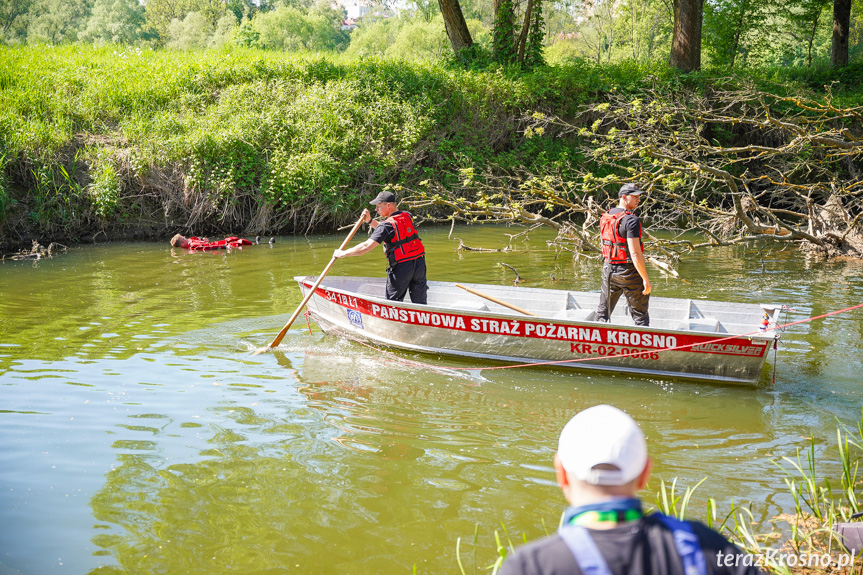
column 405, row 245
column 202, row 244
column 614, row 248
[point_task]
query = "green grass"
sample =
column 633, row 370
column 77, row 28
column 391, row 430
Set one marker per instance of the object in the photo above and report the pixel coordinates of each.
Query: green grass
column 242, row 140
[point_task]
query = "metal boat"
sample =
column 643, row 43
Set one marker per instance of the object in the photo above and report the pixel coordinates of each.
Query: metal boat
column 689, row 339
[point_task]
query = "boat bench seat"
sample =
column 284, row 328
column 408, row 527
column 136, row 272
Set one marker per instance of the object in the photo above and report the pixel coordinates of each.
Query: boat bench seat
column 376, row 290
column 701, row 324
column 469, row 305
column 575, row 314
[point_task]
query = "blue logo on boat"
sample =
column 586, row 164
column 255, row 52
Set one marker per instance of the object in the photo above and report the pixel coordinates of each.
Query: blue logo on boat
column 355, row 317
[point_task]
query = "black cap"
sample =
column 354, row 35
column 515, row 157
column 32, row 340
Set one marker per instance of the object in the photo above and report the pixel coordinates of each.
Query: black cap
column 629, row 190
column 387, row 197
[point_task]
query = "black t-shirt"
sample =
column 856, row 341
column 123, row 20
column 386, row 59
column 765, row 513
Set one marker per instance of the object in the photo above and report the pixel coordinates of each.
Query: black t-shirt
column 384, row 233
column 629, row 225
column 643, row 547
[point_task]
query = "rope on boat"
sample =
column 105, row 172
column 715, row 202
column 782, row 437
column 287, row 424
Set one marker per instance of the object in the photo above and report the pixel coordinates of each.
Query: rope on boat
column 308, row 316
column 618, row 356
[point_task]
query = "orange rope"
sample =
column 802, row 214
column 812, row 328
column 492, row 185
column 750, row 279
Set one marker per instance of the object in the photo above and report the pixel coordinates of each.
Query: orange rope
column 308, row 316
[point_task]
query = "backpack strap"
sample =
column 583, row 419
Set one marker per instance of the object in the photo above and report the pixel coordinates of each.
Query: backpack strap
column 686, row 543
column 591, row 562
column 585, row 551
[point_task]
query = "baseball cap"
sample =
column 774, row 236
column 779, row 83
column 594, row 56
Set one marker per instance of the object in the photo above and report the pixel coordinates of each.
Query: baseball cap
column 629, row 190
column 602, row 435
column 388, row 197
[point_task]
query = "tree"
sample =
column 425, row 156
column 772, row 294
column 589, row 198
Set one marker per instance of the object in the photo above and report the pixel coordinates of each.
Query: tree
column 504, row 48
column 733, row 28
column 225, row 32
column 599, row 28
column 804, row 23
column 525, row 27
column 289, row 28
column 645, row 25
column 160, row 13
column 241, row 9
column 189, row 33
column 524, row 48
column 841, row 25
column 12, row 16
column 57, row 21
column 419, row 40
column 686, row 36
column 455, row 25
column 114, row 22
column 427, row 8
column 533, row 55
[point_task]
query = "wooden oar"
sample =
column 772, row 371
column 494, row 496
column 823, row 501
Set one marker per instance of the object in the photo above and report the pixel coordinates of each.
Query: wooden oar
column 309, row 295
column 495, row 300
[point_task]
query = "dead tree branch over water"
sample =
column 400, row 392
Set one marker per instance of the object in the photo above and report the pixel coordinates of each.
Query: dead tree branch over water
column 732, row 164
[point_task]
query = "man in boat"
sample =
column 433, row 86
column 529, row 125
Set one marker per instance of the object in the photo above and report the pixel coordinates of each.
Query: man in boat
column 601, row 463
column 402, row 246
column 203, row 244
column 624, row 270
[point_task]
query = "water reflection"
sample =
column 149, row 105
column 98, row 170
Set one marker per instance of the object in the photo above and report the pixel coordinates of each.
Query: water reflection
column 141, row 436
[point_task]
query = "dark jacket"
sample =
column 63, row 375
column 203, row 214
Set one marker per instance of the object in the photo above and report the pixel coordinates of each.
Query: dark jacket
column 643, row 547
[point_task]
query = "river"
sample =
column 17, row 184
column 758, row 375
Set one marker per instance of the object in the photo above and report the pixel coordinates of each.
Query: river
column 139, row 435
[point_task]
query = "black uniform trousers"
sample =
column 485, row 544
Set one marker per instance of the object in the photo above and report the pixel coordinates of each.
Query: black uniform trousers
column 407, row 277
column 623, row 279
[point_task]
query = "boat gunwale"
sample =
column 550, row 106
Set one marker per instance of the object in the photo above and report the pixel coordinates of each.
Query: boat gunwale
column 767, row 335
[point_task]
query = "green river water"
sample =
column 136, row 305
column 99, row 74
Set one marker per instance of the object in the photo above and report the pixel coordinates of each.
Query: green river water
column 139, row 435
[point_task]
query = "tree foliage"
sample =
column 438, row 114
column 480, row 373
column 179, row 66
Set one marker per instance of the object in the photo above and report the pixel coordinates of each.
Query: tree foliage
column 522, row 44
column 13, row 19
column 58, row 21
column 114, row 22
column 291, row 29
column 160, row 13
column 736, row 28
column 533, row 54
column 732, row 164
column 504, row 48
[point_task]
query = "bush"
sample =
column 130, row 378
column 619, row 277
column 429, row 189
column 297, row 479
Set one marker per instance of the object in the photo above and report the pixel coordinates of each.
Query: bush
column 106, row 186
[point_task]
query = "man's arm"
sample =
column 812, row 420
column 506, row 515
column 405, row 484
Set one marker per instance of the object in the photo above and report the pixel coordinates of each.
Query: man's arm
column 357, row 250
column 634, row 246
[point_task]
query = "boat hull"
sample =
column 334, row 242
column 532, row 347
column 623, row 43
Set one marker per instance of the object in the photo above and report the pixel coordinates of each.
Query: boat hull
column 503, row 335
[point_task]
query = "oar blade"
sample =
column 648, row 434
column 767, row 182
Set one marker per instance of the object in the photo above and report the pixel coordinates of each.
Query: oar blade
column 311, row 292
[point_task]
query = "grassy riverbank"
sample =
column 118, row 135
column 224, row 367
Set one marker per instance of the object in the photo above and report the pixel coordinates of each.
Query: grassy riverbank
column 103, row 142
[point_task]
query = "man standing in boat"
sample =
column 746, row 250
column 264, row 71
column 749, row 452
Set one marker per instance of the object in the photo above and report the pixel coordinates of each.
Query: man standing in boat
column 624, row 270
column 601, row 463
column 404, row 250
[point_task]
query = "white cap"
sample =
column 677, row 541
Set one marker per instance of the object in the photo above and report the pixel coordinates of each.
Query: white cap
column 602, row 435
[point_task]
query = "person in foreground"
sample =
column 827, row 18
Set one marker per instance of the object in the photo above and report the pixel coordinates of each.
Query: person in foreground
column 624, row 270
column 203, row 244
column 601, row 462
column 402, row 246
